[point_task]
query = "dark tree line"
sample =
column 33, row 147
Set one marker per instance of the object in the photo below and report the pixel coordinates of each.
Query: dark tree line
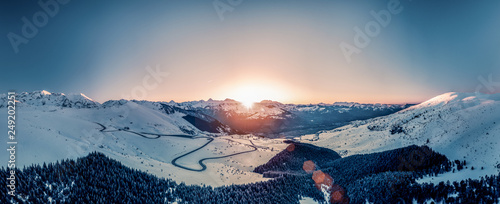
column 292, row 158
column 99, row 179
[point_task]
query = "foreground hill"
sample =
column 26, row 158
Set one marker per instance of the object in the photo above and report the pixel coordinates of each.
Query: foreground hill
column 98, row 179
column 291, row 159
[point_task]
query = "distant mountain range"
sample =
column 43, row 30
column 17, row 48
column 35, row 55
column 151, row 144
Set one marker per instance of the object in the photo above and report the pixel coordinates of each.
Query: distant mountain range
column 45, row 98
column 267, row 118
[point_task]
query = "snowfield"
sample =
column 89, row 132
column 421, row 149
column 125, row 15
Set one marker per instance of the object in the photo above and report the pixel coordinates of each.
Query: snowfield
column 462, row 126
column 53, row 127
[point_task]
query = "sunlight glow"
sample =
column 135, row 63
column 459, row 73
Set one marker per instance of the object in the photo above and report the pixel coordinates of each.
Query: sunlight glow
column 248, row 94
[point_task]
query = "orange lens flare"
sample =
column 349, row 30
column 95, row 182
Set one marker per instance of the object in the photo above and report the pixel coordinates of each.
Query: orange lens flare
column 322, row 180
column 309, row 166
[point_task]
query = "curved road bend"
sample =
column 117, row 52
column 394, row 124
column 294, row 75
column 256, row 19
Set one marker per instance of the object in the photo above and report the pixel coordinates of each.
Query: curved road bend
column 203, row 166
column 174, row 161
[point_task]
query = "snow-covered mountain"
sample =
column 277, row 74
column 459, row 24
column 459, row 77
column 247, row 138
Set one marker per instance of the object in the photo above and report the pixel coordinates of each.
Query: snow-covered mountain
column 274, row 109
column 56, row 126
column 52, row 127
column 272, row 118
column 462, row 126
column 268, row 118
column 45, row 98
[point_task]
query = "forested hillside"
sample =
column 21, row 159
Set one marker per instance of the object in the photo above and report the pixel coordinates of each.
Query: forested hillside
column 99, row 179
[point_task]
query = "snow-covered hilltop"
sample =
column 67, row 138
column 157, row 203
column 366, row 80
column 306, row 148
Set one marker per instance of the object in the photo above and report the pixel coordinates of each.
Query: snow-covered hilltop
column 463, row 126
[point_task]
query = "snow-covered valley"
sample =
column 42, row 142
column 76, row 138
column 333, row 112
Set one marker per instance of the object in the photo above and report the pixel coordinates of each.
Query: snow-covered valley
column 156, row 137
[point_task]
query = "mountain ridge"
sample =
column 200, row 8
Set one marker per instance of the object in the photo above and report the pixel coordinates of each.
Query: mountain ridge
column 39, row 94
column 270, row 118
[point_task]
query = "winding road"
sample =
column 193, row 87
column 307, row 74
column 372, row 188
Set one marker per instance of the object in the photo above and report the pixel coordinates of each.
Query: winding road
column 174, row 161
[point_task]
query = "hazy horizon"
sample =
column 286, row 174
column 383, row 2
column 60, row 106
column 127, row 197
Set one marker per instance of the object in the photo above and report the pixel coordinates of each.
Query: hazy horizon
column 218, row 99
column 287, row 51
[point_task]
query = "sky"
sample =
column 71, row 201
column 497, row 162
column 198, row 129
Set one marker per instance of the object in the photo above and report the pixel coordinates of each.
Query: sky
column 291, row 51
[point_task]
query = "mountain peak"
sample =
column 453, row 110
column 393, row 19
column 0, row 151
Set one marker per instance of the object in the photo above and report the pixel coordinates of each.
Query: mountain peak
column 83, row 96
column 43, row 97
column 44, row 92
column 459, row 98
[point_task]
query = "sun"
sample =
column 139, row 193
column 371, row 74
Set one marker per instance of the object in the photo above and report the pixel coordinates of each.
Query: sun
column 248, row 104
column 249, row 95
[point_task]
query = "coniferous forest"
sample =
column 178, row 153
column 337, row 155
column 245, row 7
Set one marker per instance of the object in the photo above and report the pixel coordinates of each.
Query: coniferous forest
column 379, row 178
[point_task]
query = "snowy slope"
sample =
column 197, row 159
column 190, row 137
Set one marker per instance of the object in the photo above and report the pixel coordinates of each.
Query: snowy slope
column 463, row 126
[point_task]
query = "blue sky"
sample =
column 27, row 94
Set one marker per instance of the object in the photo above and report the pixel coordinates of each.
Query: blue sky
column 280, row 50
